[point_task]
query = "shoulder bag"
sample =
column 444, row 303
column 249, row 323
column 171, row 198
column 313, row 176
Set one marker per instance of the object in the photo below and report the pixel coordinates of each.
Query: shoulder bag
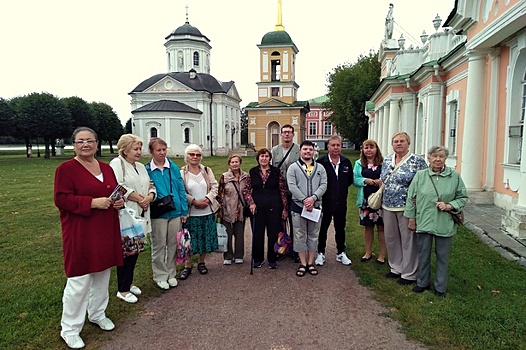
column 458, row 218
column 163, row 205
column 246, row 209
column 374, row 201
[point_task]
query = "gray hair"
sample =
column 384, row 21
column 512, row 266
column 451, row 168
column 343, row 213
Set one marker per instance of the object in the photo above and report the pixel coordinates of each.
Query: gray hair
column 192, row 148
column 83, row 128
column 435, row 149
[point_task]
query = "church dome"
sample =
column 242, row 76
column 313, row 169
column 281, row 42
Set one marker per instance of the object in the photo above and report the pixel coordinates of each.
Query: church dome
column 186, row 29
column 279, row 37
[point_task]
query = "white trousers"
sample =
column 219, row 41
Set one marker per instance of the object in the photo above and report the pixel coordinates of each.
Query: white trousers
column 84, row 293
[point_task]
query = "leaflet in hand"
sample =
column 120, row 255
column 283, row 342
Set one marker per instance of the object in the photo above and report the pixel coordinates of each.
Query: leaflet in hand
column 313, row 215
column 118, row 193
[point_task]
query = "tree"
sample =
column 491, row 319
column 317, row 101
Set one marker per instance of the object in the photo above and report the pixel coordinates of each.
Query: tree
column 244, row 127
column 81, row 112
column 7, row 118
column 109, row 127
column 350, row 87
column 43, row 115
column 128, row 127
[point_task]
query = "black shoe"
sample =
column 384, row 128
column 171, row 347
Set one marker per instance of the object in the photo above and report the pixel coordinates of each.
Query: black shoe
column 258, row 264
column 405, row 282
column 392, row 275
column 296, row 259
column 440, row 294
column 364, row 259
column 418, row 289
column 280, row 257
column 187, row 271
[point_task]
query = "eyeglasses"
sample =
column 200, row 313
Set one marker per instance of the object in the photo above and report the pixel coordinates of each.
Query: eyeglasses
column 198, row 155
column 287, row 132
column 83, row 142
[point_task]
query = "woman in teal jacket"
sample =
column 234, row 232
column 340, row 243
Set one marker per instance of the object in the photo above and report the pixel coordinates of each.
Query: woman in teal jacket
column 367, row 178
column 433, row 195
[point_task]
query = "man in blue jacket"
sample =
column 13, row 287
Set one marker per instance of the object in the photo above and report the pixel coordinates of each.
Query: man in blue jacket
column 339, row 178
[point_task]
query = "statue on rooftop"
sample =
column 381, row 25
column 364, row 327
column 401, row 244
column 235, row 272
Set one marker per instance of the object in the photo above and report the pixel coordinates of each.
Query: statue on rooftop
column 389, row 21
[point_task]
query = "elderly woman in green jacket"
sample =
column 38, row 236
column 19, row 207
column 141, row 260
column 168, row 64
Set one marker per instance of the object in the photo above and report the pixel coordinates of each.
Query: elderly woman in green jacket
column 434, row 194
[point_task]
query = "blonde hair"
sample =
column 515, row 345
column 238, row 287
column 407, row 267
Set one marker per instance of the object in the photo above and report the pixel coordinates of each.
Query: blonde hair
column 126, row 142
column 192, row 148
column 401, row 133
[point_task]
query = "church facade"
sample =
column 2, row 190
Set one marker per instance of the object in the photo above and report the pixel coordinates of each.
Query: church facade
column 464, row 88
column 277, row 103
column 187, row 104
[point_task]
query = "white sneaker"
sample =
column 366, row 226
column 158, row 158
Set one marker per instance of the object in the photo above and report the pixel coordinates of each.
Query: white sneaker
column 238, row 261
column 320, row 259
column 163, row 285
column 105, row 324
column 172, row 282
column 227, row 262
column 73, row 341
column 135, row 290
column 129, row 298
column 342, row 257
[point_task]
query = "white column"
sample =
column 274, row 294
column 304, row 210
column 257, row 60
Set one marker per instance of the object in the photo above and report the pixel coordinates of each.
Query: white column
column 472, row 134
column 408, row 117
column 434, row 117
column 491, row 151
column 394, row 118
column 385, row 131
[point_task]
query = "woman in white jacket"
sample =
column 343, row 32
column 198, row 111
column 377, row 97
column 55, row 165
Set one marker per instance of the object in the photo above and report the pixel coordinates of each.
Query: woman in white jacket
column 132, row 175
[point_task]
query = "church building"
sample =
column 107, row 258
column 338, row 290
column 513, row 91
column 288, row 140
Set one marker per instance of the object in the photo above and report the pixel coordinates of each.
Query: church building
column 277, row 103
column 187, row 104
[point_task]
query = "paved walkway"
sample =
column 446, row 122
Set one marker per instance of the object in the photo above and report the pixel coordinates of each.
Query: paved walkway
column 274, row 309
column 485, row 222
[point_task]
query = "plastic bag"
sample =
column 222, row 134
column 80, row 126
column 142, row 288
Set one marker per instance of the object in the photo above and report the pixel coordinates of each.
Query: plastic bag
column 132, row 231
column 184, row 245
column 222, row 238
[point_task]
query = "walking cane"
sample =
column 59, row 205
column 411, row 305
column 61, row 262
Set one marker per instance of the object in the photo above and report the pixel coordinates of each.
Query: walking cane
column 253, row 224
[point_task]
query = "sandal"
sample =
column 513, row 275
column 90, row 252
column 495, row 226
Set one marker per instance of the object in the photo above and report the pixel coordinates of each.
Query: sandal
column 312, row 269
column 187, row 271
column 201, row 267
column 301, row 271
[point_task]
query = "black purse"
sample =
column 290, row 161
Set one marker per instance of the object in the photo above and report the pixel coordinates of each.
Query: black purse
column 458, row 218
column 246, row 209
column 163, row 205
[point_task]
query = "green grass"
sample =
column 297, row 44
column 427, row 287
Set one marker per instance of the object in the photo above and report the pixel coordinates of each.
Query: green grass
column 483, row 309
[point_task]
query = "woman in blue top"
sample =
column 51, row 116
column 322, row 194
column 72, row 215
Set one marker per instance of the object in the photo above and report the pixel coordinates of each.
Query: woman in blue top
column 367, row 178
column 167, row 180
column 398, row 170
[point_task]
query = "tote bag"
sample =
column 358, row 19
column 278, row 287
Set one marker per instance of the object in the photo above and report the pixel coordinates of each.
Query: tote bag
column 222, row 238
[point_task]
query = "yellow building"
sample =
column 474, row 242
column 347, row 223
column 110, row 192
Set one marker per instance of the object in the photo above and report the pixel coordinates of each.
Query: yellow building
column 277, row 103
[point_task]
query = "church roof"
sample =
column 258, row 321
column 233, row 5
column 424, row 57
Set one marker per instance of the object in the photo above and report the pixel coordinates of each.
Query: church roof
column 167, row 106
column 278, row 37
column 264, row 105
column 201, row 82
column 187, row 29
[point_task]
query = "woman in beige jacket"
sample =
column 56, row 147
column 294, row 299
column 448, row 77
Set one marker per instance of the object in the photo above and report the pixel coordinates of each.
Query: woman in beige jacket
column 231, row 187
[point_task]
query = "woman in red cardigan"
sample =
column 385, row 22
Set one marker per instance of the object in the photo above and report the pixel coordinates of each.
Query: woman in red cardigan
column 91, row 238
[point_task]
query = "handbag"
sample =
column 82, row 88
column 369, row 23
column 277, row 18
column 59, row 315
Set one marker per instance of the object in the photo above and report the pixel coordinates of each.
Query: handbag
column 458, row 218
column 222, row 238
column 132, row 232
column 283, row 244
column 374, row 201
column 163, row 205
column 184, row 245
column 246, row 209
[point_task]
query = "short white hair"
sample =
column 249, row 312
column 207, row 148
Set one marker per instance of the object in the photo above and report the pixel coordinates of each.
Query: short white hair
column 192, row 148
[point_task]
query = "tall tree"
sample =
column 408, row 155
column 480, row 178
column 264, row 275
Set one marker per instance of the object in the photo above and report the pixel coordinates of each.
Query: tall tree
column 81, row 112
column 45, row 116
column 109, row 127
column 128, row 127
column 7, row 118
column 350, row 87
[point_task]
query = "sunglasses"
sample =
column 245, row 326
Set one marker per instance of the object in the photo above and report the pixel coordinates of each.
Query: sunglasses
column 198, row 155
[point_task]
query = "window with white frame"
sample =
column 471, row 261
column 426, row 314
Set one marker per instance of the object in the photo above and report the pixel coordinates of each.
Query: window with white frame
column 196, row 58
column 327, row 128
column 516, row 126
column 312, row 128
column 452, row 127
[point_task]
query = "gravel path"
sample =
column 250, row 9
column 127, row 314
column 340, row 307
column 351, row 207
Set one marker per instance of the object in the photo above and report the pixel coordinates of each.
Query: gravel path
column 271, row 309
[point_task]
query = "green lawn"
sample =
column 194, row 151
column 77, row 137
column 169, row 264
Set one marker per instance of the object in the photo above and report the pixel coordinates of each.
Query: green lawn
column 483, row 309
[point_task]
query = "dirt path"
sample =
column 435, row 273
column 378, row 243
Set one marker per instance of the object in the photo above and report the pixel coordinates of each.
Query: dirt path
column 271, row 309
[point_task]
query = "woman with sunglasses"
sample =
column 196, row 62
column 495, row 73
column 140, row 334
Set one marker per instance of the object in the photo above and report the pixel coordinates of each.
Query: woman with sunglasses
column 201, row 192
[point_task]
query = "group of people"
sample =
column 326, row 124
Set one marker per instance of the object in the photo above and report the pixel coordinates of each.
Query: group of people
column 287, row 189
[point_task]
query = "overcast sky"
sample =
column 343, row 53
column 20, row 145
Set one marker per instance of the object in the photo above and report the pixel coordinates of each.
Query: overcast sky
column 100, row 50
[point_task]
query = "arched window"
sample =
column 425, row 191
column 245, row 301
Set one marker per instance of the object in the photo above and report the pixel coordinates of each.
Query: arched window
column 153, row 132
column 196, row 58
column 275, row 62
column 186, row 135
